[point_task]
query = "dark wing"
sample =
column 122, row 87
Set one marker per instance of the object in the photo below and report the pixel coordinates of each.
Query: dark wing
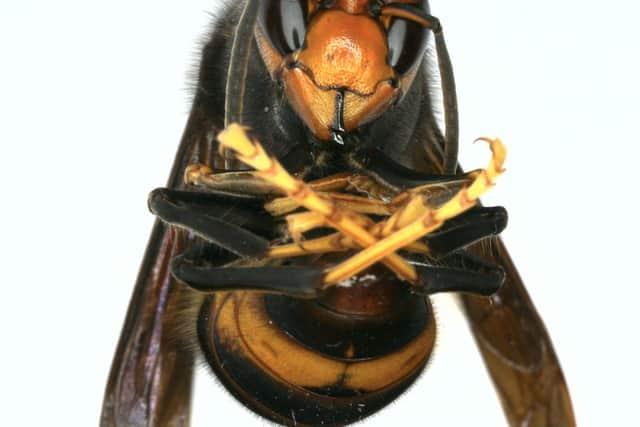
column 511, row 335
column 517, row 349
column 151, row 376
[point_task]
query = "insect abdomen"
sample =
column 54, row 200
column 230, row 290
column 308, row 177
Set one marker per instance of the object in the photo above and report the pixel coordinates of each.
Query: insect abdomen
column 296, row 379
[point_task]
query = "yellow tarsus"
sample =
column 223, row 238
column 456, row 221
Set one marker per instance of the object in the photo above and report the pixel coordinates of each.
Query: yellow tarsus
column 430, row 220
column 412, row 217
column 235, row 137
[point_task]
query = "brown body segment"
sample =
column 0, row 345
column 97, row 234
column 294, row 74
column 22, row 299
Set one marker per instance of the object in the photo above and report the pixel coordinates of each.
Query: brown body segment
column 344, row 56
column 340, row 78
column 284, row 375
column 345, row 51
column 352, row 6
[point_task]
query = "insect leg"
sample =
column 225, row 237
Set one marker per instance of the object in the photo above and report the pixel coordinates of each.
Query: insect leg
column 237, row 183
column 363, row 205
column 418, row 220
column 219, row 220
column 246, row 184
column 455, row 234
column 242, row 182
column 463, row 272
column 466, row 229
column 294, row 281
column 390, row 174
column 249, row 151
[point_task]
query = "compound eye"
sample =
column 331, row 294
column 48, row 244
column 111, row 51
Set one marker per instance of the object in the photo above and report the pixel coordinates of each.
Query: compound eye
column 284, row 23
column 407, row 42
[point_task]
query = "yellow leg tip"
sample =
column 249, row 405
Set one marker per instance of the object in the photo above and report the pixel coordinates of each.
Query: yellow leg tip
column 194, row 172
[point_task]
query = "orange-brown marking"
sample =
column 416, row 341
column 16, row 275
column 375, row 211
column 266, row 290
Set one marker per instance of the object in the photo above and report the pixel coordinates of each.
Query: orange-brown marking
column 429, row 219
column 344, row 51
column 300, row 192
column 269, row 348
column 347, row 51
column 487, row 178
column 351, row 6
column 272, row 170
column 464, row 198
column 335, row 216
column 350, row 351
column 243, row 324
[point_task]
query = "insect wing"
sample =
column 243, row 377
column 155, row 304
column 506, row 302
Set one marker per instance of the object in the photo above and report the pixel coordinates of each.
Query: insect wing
column 517, row 350
column 152, row 371
column 511, row 336
column 150, row 378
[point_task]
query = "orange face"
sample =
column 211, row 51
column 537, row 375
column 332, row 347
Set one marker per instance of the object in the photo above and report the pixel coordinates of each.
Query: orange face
column 334, row 62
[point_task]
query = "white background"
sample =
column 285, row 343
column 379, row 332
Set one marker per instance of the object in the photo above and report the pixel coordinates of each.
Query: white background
column 93, row 100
